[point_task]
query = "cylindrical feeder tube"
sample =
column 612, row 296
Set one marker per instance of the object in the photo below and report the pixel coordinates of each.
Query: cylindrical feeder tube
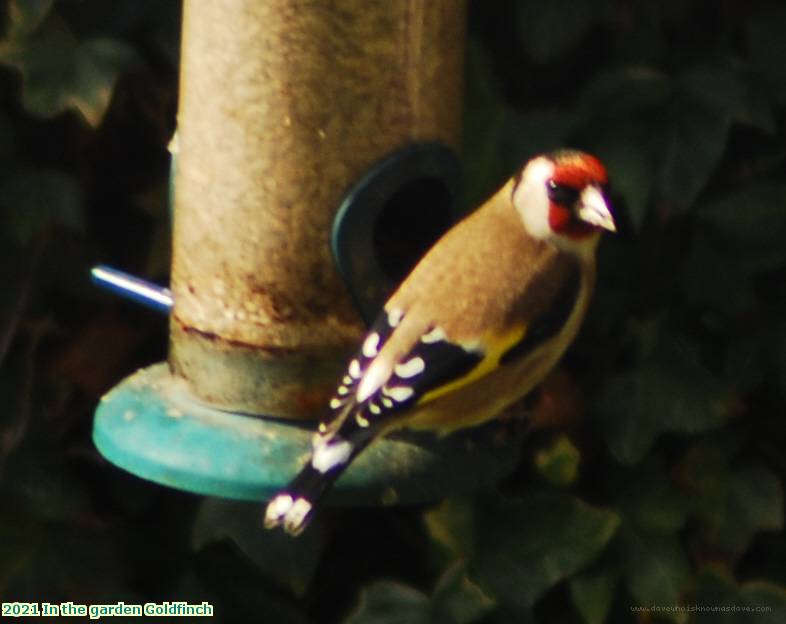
column 283, row 105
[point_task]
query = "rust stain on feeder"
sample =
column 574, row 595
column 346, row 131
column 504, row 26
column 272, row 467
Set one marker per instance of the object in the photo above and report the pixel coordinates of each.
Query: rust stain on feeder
column 228, row 343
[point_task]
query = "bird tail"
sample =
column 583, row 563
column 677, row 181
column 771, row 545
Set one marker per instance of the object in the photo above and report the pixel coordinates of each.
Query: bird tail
column 331, row 454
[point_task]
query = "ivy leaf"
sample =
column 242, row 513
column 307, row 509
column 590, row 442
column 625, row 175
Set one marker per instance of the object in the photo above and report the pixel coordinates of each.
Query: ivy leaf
column 691, row 144
column 389, row 602
column 592, row 594
column 731, row 505
column 666, row 134
column 754, row 503
column 451, row 525
column 725, row 602
column 706, row 102
column 525, row 547
column 457, row 600
column 651, row 500
column 626, row 92
column 519, row 549
column 655, row 568
column 670, row 391
column 31, row 202
column 559, row 462
column 288, row 562
column 729, row 93
column 647, row 552
column 24, row 16
column 61, row 73
column 549, row 30
column 734, row 224
column 764, row 34
column 710, row 274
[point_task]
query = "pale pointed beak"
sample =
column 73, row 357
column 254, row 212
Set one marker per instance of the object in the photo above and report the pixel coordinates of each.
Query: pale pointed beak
column 594, row 209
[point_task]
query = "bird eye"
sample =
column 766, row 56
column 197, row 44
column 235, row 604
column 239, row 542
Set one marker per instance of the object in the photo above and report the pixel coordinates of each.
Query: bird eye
column 562, row 194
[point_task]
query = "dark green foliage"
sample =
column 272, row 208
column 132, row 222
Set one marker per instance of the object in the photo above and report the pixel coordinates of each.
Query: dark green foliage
column 662, row 498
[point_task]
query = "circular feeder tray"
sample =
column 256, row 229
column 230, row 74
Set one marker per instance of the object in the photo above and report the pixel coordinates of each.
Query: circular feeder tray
column 151, row 426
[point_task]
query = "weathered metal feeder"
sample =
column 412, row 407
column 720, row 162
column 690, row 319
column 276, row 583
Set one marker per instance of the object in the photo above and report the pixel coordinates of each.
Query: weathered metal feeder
column 310, row 139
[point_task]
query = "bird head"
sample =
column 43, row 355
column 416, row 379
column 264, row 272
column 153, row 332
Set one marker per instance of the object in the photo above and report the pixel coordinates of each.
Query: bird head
column 562, row 196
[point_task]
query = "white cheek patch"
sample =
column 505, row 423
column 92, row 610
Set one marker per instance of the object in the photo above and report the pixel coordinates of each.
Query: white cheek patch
column 531, row 200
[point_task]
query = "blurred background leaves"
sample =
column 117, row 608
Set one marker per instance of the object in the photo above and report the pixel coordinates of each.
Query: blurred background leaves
column 653, row 476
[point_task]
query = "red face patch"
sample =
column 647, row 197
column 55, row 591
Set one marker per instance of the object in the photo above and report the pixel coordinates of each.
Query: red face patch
column 573, row 172
column 577, row 170
column 562, row 221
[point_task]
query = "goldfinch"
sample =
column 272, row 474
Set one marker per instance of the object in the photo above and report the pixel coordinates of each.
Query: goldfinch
column 477, row 324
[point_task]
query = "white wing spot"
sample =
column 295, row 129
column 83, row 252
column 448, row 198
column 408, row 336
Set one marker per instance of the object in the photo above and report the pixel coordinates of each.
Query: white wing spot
column 410, row 368
column 386, row 402
column 399, row 393
column 330, row 455
column 362, row 422
column 354, row 369
column 371, row 345
column 435, row 335
column 394, row 317
column 336, row 403
column 374, row 409
column 347, row 380
column 376, row 375
column 296, row 516
column 342, row 391
column 277, row 508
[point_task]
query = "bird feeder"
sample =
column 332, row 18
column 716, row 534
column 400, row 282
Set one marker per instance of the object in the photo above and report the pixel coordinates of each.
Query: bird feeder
column 311, row 137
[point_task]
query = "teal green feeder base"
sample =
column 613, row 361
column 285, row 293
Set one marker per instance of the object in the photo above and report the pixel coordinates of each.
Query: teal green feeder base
column 152, row 427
